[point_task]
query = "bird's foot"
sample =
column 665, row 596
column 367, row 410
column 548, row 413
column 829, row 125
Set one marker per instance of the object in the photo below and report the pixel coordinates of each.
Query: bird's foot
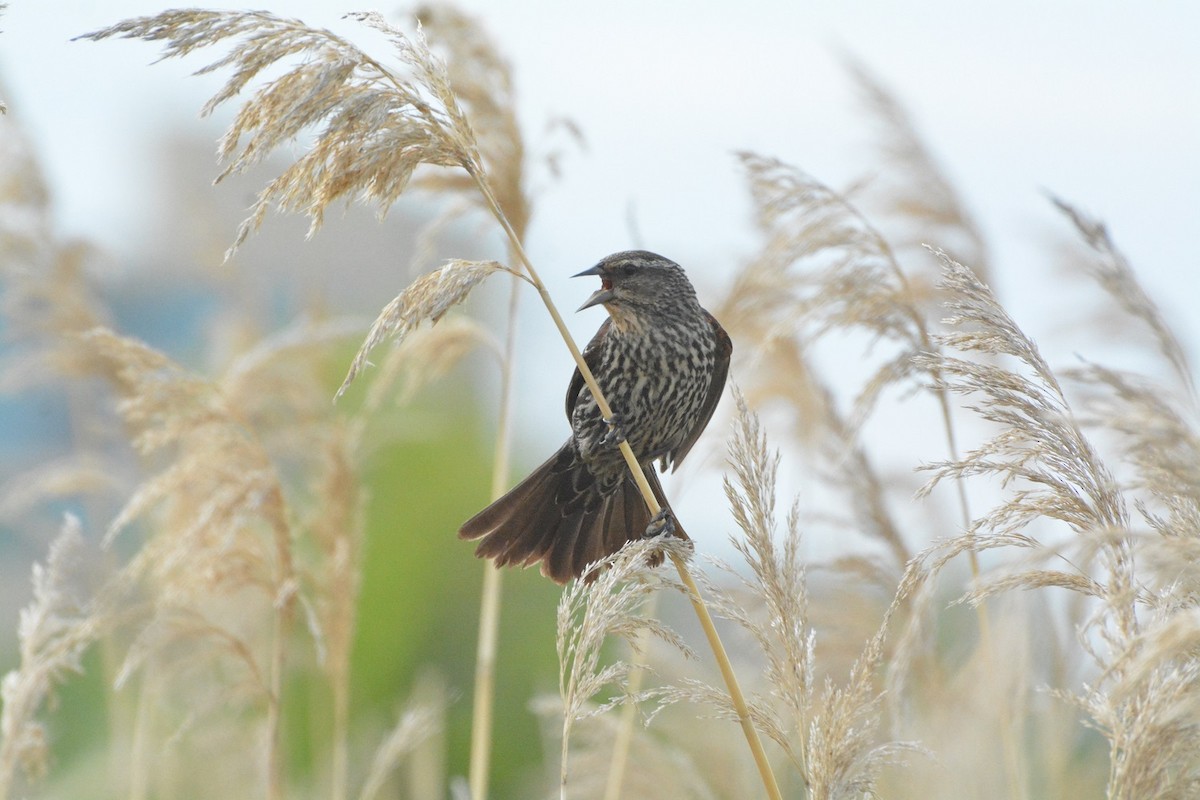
column 663, row 524
column 616, row 431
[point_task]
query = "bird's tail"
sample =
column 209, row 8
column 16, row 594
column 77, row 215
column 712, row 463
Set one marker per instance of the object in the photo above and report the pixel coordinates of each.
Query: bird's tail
column 557, row 516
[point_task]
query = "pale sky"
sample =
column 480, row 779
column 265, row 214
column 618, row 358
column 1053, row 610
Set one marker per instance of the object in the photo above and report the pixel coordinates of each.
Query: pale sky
column 1098, row 102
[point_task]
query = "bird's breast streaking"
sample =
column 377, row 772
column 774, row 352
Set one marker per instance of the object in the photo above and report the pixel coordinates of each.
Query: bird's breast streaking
column 656, row 378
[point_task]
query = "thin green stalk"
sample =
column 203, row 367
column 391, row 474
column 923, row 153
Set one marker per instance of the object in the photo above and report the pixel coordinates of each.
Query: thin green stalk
column 489, row 609
column 341, row 736
column 635, row 468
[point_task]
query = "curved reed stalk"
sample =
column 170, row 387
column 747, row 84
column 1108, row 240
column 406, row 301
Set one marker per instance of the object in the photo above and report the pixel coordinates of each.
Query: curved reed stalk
column 635, row 468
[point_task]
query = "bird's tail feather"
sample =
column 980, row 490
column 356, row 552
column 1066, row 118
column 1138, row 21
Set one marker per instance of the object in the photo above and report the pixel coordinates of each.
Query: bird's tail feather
column 557, row 516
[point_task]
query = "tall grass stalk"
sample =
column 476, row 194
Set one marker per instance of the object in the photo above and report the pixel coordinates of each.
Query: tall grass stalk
column 483, row 702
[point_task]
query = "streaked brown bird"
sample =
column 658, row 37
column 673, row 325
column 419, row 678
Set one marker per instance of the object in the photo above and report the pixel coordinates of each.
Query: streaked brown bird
column 661, row 361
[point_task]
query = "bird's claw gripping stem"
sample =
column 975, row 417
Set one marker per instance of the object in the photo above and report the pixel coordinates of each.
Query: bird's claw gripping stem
column 663, row 524
column 616, row 431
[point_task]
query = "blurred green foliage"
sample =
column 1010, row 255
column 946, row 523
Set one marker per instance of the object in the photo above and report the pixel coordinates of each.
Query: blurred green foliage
column 419, row 606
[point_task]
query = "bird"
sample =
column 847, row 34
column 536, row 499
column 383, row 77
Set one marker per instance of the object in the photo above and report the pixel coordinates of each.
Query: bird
column 661, row 361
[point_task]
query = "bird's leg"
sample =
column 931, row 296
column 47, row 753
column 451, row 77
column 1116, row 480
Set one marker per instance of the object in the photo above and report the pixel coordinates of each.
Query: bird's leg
column 616, row 430
column 662, row 524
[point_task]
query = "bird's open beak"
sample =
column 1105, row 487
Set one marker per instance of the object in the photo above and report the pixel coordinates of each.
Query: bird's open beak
column 601, row 295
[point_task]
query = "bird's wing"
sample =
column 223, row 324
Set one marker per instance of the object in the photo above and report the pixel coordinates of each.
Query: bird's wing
column 591, row 356
column 715, row 389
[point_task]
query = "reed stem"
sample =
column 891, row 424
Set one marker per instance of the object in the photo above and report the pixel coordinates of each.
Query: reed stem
column 484, row 700
column 639, row 476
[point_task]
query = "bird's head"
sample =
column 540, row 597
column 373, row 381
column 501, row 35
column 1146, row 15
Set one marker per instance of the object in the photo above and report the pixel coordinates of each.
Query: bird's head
column 637, row 283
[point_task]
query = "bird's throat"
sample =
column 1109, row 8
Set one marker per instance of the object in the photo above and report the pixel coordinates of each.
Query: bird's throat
column 624, row 321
